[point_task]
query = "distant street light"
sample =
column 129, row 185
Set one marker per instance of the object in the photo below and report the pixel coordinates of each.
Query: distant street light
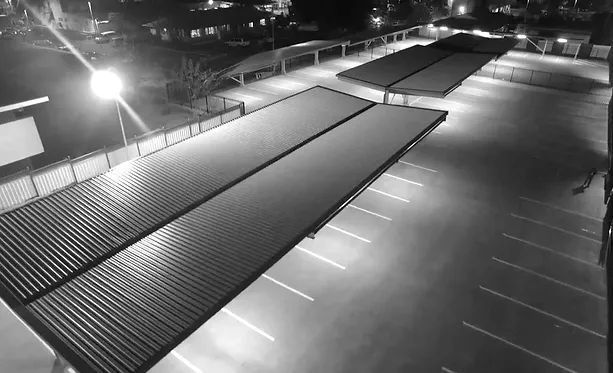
column 526, row 12
column 430, row 25
column 562, row 40
column 272, row 23
column 521, row 36
column 107, row 85
column 443, row 28
column 462, row 9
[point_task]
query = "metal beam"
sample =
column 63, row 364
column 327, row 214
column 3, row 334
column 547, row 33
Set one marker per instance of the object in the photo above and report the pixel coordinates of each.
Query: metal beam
column 23, row 104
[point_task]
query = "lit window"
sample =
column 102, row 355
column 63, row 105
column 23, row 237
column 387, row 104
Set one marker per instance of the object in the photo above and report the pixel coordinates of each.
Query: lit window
column 263, row 22
column 196, row 33
column 251, row 24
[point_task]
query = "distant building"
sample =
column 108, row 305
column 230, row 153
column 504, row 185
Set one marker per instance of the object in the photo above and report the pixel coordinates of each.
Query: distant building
column 68, row 15
column 196, row 25
column 6, row 7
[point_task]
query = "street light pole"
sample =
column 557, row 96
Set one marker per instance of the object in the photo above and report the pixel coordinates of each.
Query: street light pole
column 272, row 23
column 526, row 12
column 123, row 131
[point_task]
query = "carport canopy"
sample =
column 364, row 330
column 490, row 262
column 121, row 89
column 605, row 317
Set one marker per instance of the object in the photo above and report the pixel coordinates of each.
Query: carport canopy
column 270, row 58
column 434, row 70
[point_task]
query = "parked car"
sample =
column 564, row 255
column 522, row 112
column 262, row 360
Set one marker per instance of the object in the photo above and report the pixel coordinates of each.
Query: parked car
column 237, row 42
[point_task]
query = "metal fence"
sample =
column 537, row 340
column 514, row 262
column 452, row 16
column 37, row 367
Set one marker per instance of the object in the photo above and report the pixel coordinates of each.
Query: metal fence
column 544, row 79
column 22, row 187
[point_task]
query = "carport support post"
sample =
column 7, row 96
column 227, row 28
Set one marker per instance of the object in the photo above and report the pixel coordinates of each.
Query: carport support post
column 544, row 49
column 343, row 50
column 242, row 79
column 577, row 52
column 283, row 67
column 394, row 38
column 405, row 99
column 386, row 97
column 316, row 57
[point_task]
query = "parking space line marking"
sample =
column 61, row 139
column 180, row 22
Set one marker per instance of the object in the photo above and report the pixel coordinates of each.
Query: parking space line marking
column 370, row 212
column 538, row 222
column 321, row 257
column 188, row 363
column 347, row 233
column 416, row 166
column 248, row 324
column 534, row 354
column 567, row 322
column 544, row 248
column 523, row 269
column 447, row 370
column 248, row 97
column 560, row 208
column 402, row 179
column 288, row 287
column 260, row 90
column 388, row 195
column 416, row 100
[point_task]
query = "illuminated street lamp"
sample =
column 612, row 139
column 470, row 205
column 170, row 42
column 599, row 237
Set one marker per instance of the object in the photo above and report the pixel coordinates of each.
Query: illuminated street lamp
column 521, row 36
column 462, row 9
column 107, row 85
column 562, row 40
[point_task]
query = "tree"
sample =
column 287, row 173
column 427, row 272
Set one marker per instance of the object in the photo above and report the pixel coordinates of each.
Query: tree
column 197, row 81
column 331, row 14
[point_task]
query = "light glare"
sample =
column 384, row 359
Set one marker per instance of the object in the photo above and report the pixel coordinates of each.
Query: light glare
column 106, row 84
column 444, row 28
column 562, row 40
column 521, row 36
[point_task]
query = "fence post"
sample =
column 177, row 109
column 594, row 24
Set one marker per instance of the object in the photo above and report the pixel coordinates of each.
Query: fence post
column 224, row 103
column 165, row 136
column 512, row 72
column 137, row 148
column 206, row 100
column 371, row 52
column 242, row 108
column 531, row 74
column 494, row 74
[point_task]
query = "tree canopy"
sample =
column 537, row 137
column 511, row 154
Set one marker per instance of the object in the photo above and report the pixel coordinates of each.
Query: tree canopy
column 331, row 14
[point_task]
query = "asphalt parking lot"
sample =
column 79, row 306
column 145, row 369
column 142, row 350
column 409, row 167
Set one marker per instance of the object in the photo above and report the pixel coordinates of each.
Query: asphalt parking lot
column 471, row 255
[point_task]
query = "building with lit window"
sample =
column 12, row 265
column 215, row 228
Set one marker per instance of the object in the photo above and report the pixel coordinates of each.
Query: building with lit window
column 212, row 23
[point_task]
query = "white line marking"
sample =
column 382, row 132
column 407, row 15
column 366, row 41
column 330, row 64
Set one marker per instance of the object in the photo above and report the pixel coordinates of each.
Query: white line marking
column 347, row 233
column 260, row 90
column 416, row 100
column 560, row 208
column 370, row 212
column 248, row 324
column 523, row 269
column 416, row 166
column 475, row 328
column 288, row 287
column 405, row 180
column 321, row 257
column 447, row 370
column 388, row 195
column 555, row 228
column 188, row 363
column 567, row 322
column 44, row 343
column 544, row 248
column 247, row 96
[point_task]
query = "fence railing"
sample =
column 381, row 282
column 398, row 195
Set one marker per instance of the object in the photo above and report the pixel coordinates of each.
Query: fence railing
column 22, row 187
column 544, row 79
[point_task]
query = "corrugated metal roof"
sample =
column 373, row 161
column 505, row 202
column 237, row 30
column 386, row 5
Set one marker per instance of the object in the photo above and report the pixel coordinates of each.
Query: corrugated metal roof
column 129, row 311
column 442, row 77
column 429, row 70
column 269, row 58
column 385, row 71
column 51, row 240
